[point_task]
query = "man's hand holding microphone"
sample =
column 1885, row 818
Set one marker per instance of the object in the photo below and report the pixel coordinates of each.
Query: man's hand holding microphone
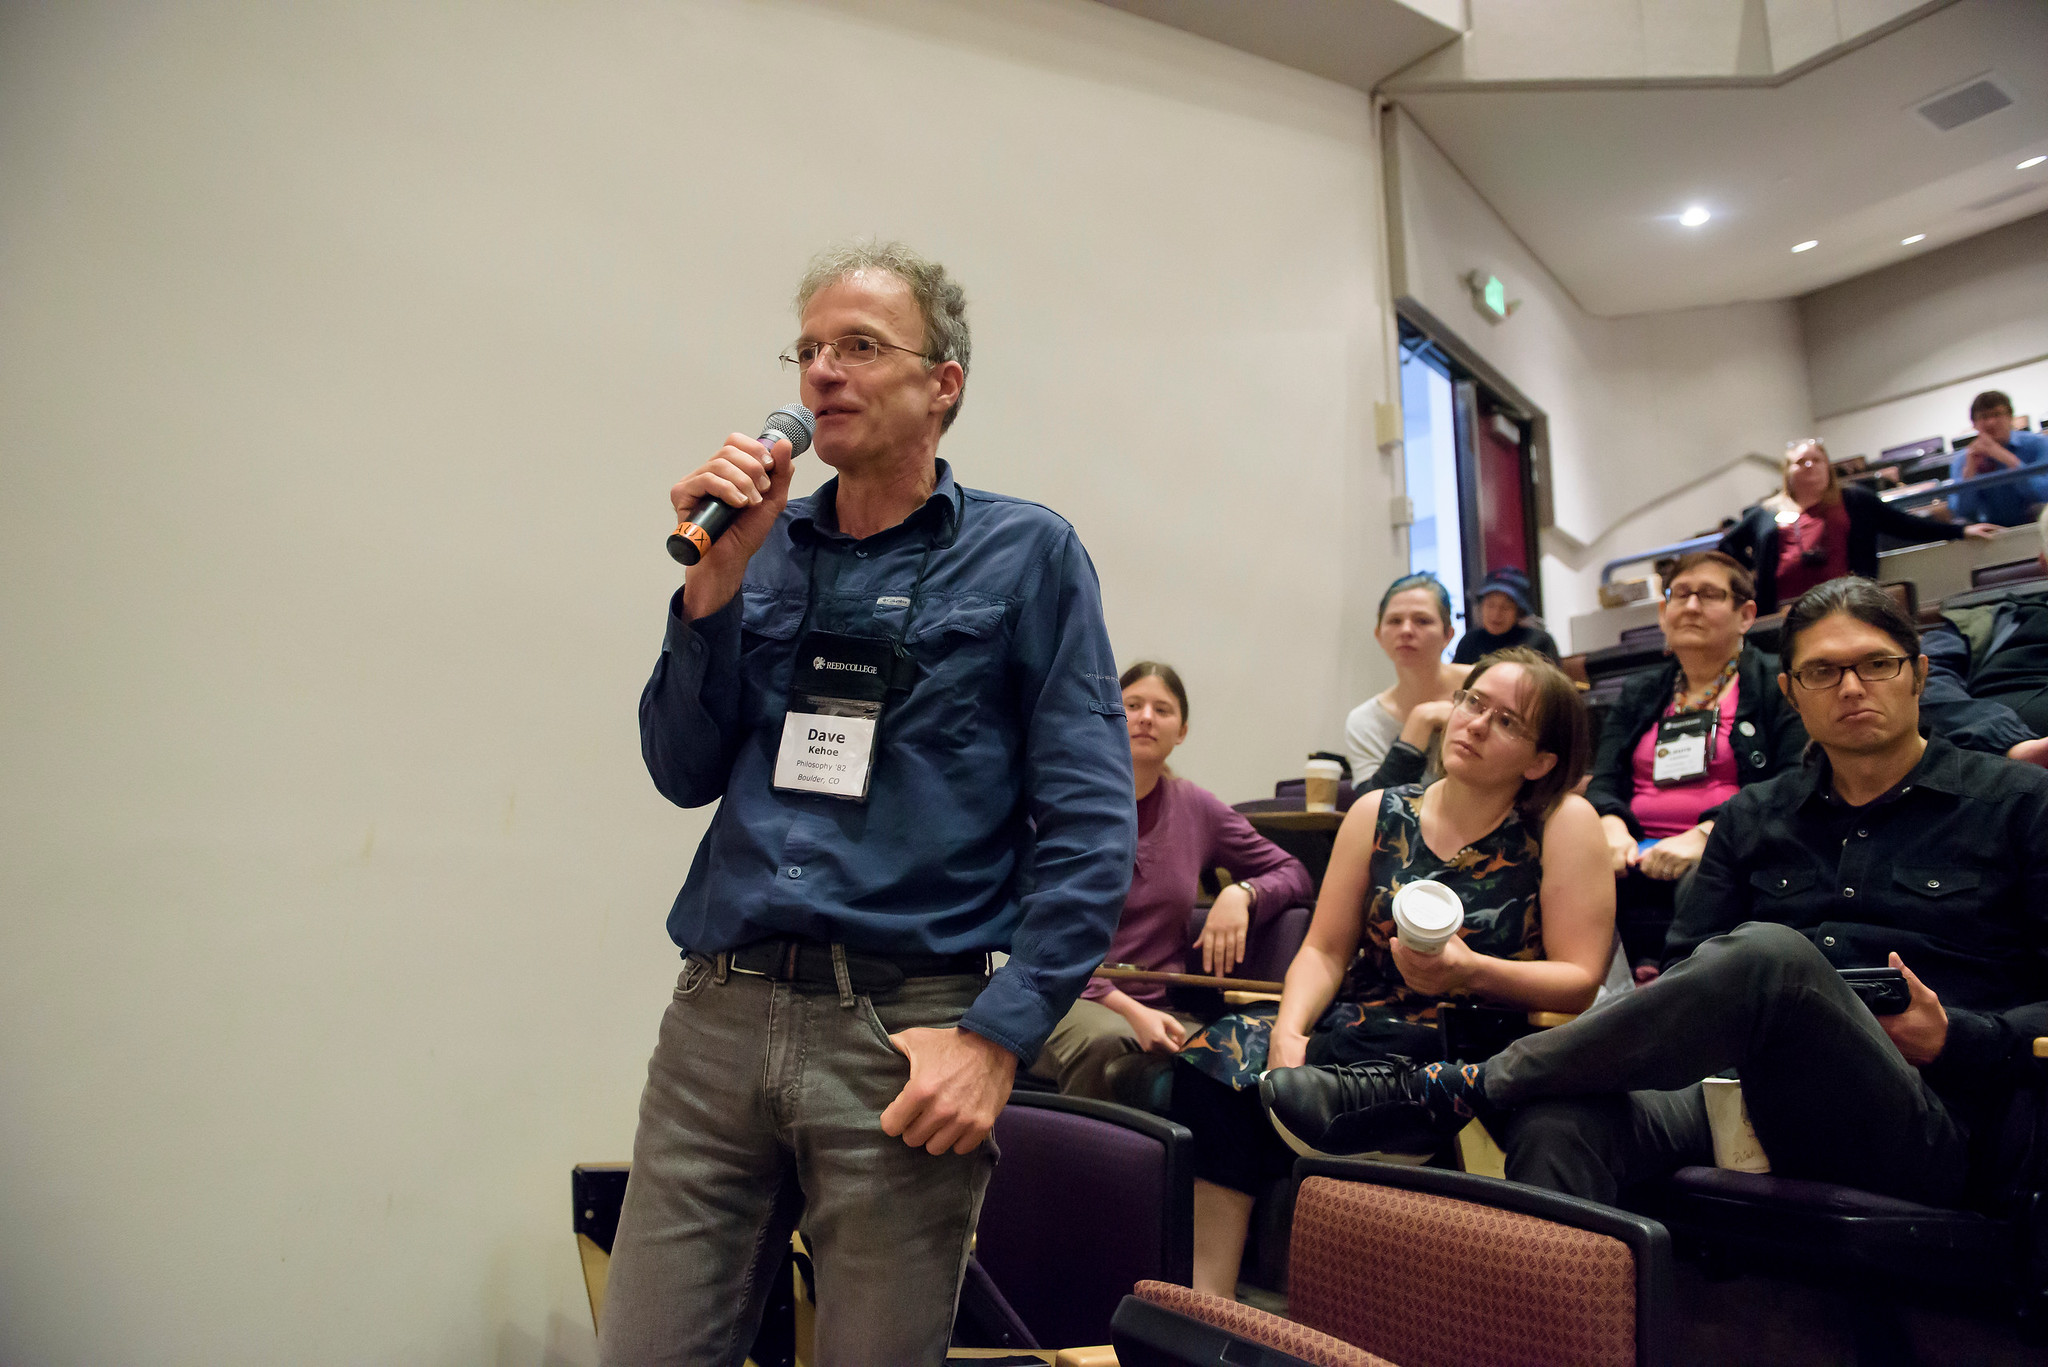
column 725, row 507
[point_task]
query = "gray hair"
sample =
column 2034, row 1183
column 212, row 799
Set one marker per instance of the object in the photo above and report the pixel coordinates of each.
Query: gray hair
column 939, row 299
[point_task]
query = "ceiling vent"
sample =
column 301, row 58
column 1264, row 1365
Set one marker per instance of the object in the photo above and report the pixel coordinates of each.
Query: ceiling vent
column 1965, row 104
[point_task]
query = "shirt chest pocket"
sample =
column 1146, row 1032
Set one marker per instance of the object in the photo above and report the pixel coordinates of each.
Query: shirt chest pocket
column 1930, row 897
column 768, row 628
column 1776, row 887
column 969, row 629
column 961, row 695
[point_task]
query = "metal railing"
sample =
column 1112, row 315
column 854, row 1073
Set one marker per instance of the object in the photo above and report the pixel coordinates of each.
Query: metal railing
column 1919, row 498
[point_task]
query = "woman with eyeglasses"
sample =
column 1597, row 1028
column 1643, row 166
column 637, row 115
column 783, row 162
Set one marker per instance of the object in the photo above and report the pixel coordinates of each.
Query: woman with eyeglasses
column 1681, row 740
column 1392, row 736
column 1818, row 528
column 1503, row 829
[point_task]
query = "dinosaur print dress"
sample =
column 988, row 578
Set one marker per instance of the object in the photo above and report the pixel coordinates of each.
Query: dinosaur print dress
column 1376, row 1014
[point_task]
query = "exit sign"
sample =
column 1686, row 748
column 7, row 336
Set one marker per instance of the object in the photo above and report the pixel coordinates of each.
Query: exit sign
column 1490, row 296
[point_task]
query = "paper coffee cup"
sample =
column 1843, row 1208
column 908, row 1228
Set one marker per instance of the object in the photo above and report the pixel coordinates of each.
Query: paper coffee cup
column 1736, row 1146
column 1320, row 778
column 1427, row 914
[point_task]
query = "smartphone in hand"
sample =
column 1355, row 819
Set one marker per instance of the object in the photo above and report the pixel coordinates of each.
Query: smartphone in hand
column 1883, row 990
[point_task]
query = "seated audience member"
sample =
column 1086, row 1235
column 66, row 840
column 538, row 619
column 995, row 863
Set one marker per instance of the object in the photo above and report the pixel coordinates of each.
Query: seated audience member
column 1400, row 727
column 1996, row 448
column 1997, row 655
column 1524, row 854
column 1182, row 830
column 1505, row 604
column 1885, row 848
column 1819, row 529
column 1681, row 740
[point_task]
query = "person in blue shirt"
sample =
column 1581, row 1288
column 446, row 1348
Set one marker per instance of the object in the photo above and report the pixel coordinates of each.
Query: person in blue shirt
column 1996, row 448
column 901, row 694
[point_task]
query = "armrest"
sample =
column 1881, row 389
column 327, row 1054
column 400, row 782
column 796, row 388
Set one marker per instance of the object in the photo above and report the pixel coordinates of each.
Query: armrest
column 2041, row 1046
column 1544, row 1020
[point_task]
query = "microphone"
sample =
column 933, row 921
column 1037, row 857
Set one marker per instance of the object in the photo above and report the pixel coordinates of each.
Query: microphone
column 692, row 539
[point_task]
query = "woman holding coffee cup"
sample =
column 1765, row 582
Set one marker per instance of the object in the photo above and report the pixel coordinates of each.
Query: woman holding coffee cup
column 1183, row 829
column 1532, row 929
column 1392, row 736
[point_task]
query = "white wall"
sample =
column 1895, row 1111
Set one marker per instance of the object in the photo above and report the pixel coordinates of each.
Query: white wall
column 1941, row 412
column 1651, row 417
column 1897, row 354
column 346, row 357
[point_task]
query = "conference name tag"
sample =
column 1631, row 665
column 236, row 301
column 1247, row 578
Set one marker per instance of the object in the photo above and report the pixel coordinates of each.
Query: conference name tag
column 827, row 755
column 838, row 687
column 1683, row 748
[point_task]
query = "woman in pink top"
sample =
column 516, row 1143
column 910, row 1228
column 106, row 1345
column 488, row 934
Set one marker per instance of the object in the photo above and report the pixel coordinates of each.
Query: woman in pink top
column 1680, row 740
column 1182, row 830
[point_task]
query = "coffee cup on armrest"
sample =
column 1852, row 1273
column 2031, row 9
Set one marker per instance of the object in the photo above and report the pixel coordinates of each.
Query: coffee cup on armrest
column 1319, row 785
column 1427, row 914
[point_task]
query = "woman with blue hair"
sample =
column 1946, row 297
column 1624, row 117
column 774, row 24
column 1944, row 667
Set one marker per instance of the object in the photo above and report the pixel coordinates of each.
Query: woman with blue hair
column 1402, row 727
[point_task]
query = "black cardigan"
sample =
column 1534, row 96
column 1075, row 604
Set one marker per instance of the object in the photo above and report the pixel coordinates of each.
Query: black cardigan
column 1754, row 540
column 1769, row 737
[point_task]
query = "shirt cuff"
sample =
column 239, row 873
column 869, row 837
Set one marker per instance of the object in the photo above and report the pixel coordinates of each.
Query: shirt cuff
column 1970, row 1056
column 1012, row 1013
column 684, row 636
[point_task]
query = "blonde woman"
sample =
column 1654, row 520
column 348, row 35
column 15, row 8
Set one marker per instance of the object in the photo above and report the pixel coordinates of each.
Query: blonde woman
column 1818, row 528
column 1392, row 737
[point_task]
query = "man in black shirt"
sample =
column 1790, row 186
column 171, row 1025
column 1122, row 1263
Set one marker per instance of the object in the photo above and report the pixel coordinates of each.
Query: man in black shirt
column 1887, row 849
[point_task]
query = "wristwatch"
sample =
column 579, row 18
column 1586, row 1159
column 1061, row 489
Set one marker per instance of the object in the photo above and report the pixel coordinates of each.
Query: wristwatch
column 1251, row 894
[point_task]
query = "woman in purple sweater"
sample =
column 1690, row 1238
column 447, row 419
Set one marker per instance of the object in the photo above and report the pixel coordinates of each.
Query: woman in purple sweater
column 1182, row 830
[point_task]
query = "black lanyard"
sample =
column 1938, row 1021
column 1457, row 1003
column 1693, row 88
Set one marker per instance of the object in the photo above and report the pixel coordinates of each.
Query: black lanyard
column 900, row 656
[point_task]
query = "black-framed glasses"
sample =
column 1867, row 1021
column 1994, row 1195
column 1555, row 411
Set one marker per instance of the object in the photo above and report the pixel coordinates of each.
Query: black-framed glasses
column 1708, row 595
column 1472, row 705
column 1819, row 677
column 850, row 350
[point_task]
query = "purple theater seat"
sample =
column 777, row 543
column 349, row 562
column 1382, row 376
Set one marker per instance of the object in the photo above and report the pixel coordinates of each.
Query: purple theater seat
column 1270, row 949
column 1820, row 1197
column 1087, row 1200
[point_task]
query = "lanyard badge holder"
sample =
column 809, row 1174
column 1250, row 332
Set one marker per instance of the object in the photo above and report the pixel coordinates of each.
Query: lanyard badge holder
column 837, row 694
column 1685, row 744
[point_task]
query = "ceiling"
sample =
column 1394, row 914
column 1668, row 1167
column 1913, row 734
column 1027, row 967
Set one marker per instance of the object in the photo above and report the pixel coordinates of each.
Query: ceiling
column 1357, row 42
column 1593, row 179
column 1592, row 174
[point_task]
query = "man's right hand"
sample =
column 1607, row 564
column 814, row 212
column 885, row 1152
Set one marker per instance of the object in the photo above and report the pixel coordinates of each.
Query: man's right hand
column 749, row 477
column 1621, row 843
column 1986, row 455
column 1157, row 1032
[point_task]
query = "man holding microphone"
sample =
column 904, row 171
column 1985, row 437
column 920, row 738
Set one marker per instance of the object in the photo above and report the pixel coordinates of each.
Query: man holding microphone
column 902, row 695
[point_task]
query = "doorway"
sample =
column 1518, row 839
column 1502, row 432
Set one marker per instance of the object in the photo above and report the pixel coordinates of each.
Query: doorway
column 1469, row 456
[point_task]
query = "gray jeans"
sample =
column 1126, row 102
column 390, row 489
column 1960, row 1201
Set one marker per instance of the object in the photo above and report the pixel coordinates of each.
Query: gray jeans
column 763, row 1103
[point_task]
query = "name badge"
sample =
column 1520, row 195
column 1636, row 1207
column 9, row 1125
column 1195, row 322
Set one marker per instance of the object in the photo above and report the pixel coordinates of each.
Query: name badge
column 836, row 696
column 828, row 755
column 1684, row 745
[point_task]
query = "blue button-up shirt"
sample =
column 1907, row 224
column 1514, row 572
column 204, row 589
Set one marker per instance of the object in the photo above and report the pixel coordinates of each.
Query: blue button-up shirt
column 2004, row 504
column 999, row 814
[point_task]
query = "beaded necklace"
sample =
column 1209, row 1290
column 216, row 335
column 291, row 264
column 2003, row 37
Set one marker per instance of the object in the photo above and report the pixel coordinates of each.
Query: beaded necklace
column 1713, row 698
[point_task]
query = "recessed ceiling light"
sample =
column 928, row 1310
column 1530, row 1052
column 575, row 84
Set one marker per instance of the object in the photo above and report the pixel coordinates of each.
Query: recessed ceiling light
column 2030, row 161
column 1807, row 245
column 1909, row 241
column 1693, row 217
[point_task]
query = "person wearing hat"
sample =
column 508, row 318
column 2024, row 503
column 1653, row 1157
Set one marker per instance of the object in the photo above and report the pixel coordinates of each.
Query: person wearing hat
column 1504, row 605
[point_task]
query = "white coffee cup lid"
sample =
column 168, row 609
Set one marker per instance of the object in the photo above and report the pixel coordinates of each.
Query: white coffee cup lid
column 1323, row 768
column 1429, row 907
